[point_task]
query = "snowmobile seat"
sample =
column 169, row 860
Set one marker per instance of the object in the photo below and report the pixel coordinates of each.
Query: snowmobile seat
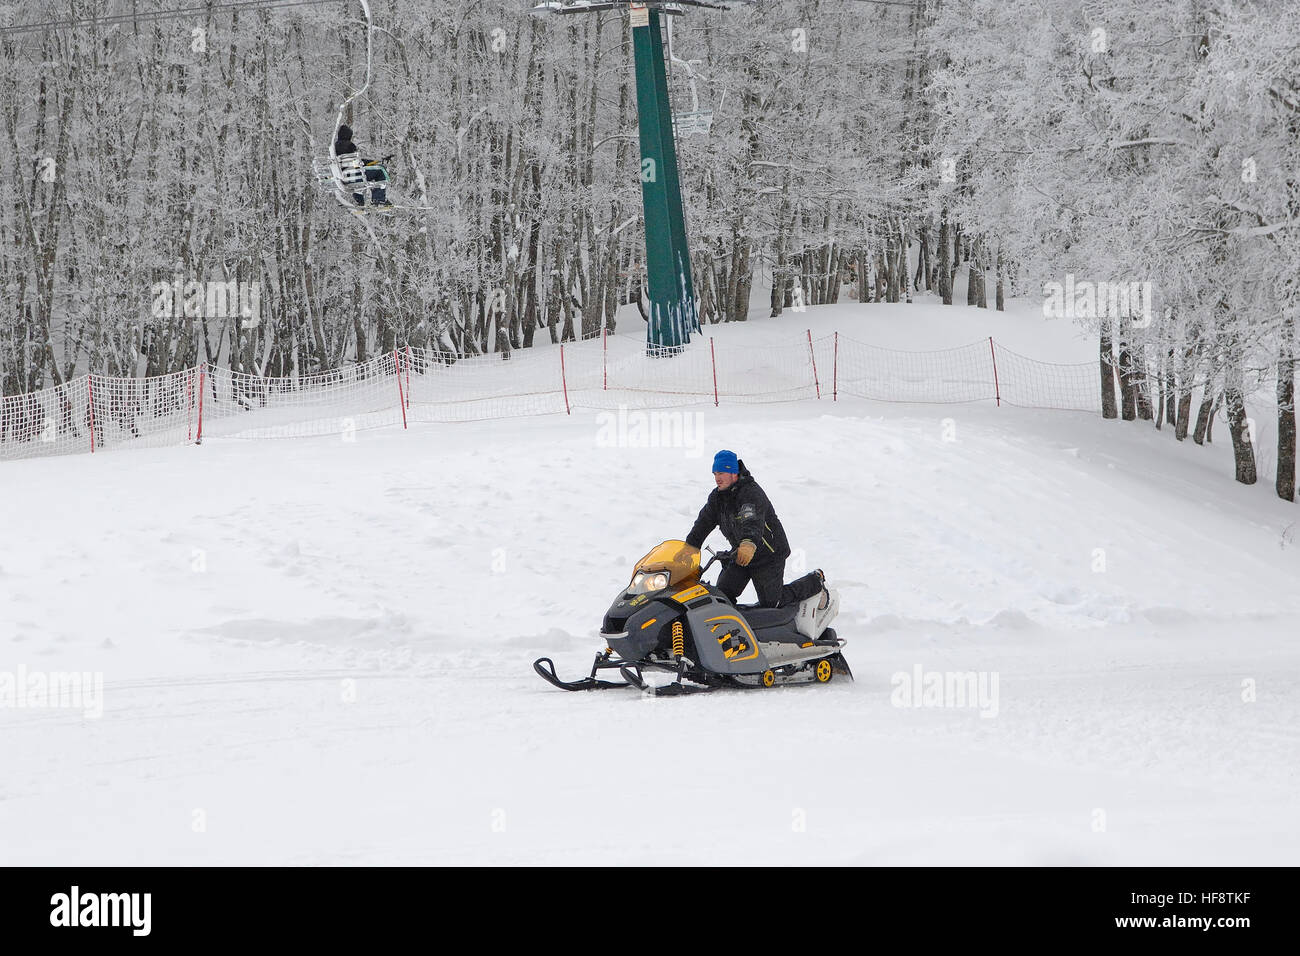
column 773, row 623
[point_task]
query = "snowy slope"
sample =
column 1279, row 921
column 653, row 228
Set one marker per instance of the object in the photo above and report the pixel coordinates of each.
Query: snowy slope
column 923, row 325
column 318, row 651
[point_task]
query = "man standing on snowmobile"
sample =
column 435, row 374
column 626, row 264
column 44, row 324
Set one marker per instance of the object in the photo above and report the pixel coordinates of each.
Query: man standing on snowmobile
column 741, row 510
column 375, row 173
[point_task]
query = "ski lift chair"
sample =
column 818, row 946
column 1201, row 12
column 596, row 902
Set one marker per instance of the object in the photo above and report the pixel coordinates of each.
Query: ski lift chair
column 693, row 123
column 346, row 174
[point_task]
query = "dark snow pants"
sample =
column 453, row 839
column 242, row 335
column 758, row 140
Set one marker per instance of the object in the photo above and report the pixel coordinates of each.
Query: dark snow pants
column 768, row 583
column 378, row 194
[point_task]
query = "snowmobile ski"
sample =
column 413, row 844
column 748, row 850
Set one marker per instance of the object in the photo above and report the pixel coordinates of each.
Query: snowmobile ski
column 545, row 667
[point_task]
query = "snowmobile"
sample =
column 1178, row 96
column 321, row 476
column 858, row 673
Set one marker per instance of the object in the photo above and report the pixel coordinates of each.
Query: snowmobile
column 668, row 619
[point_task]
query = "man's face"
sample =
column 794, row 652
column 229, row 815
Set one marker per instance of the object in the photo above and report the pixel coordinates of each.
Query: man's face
column 724, row 479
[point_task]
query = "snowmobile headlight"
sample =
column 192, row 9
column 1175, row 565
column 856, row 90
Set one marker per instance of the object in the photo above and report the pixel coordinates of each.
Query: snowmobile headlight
column 647, row 583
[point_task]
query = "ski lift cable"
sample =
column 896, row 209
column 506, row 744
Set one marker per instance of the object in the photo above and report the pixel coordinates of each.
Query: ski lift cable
column 158, row 15
column 340, row 190
column 340, row 193
column 348, row 175
column 338, row 120
column 236, row 5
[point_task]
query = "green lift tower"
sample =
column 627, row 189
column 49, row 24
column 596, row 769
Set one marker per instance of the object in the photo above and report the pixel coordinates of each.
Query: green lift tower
column 673, row 310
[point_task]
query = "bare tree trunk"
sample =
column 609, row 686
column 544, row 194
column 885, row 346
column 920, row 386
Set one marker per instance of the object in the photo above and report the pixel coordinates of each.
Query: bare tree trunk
column 1185, row 389
column 1167, row 397
column 1001, row 300
column 833, row 273
column 904, row 242
column 972, row 282
column 891, row 258
column 1205, row 414
column 1243, row 450
column 1183, row 413
column 1128, row 394
column 1141, row 384
column 1108, row 409
column 1161, row 380
column 945, row 261
column 704, row 294
column 554, row 293
column 744, row 281
column 923, row 259
column 778, row 282
column 781, row 267
column 1286, row 413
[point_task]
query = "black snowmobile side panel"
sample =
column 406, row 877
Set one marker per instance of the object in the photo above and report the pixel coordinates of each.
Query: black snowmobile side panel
column 646, row 628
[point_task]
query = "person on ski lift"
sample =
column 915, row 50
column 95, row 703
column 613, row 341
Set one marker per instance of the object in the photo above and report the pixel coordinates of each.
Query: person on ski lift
column 742, row 511
column 375, row 173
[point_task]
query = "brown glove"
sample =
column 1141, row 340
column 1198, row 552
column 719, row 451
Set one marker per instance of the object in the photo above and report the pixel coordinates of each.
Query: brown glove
column 745, row 553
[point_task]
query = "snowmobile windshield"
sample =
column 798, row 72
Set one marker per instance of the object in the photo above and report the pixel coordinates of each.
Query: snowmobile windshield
column 670, row 564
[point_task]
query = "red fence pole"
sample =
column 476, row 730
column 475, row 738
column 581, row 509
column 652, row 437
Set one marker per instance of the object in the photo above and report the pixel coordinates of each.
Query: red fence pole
column 401, row 396
column 198, row 437
column 604, row 353
column 408, row 376
column 90, row 402
column 565, row 382
column 814, row 364
column 835, row 370
column 714, row 359
column 997, row 393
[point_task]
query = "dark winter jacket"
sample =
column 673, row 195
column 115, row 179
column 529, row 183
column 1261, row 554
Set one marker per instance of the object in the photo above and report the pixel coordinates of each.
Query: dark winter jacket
column 343, row 143
column 743, row 511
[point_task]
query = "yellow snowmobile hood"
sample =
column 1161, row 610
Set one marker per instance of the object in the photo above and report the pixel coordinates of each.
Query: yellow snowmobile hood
column 679, row 559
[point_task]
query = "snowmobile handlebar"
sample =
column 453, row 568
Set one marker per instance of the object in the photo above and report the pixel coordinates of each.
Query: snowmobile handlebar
column 724, row 557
